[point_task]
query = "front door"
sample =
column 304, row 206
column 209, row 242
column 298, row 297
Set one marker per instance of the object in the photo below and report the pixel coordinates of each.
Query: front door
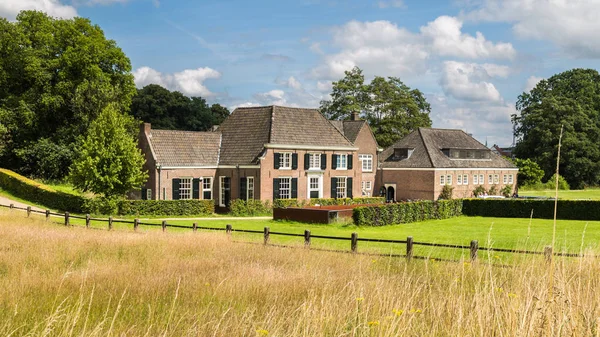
column 225, row 191
column 391, row 194
column 315, row 187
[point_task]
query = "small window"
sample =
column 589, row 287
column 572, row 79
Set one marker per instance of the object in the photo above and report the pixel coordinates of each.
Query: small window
column 449, row 179
column 459, row 179
column 341, row 187
column 481, row 181
column 465, row 179
column 400, row 154
column 250, row 188
column 505, row 179
column 206, row 188
column 149, row 194
column 496, row 179
column 185, row 188
column 490, row 179
column 342, row 162
column 314, row 160
column 475, row 180
column 367, row 162
column 366, row 188
column 442, row 180
column 285, row 188
column 510, row 178
column 285, row 160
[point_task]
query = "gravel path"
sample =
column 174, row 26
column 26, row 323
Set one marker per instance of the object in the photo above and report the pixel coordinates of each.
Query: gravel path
column 6, row 201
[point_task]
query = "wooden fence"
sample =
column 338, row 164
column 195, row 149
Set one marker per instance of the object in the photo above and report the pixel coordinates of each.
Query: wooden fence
column 354, row 239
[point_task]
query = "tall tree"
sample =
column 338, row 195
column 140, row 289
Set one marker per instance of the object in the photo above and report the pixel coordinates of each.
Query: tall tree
column 572, row 99
column 172, row 110
column 55, row 77
column 392, row 108
column 108, row 162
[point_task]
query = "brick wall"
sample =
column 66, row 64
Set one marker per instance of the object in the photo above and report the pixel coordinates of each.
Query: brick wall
column 366, row 144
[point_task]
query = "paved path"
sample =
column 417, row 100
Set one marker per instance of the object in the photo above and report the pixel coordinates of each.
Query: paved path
column 6, row 201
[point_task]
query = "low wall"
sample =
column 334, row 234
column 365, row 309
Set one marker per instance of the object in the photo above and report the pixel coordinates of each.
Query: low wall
column 311, row 215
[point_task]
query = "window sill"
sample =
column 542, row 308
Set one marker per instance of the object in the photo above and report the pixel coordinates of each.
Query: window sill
column 285, row 168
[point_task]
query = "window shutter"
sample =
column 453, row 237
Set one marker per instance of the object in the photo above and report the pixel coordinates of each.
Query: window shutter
column 306, row 161
column 349, row 187
column 323, row 161
column 196, row 188
column 175, row 195
column 144, row 195
column 294, row 188
column 334, row 161
column 275, row 188
column 333, row 188
column 276, row 160
column 350, row 161
column 227, row 191
column 294, row 161
column 243, row 187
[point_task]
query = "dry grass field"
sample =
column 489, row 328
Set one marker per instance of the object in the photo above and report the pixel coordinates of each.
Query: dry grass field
column 58, row 281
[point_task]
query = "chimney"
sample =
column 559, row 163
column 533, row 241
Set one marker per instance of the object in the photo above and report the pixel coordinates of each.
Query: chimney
column 145, row 128
column 354, row 116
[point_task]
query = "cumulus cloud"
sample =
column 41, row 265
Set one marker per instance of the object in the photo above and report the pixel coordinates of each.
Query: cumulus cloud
column 190, row 82
column 532, row 81
column 571, row 25
column 470, row 81
column 10, row 8
column 273, row 97
column 293, row 83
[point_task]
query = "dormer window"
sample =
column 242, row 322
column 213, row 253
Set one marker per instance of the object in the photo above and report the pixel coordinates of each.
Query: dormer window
column 402, row 153
column 466, row 153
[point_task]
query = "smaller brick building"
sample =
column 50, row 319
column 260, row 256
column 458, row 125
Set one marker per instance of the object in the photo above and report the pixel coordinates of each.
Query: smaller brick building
column 420, row 164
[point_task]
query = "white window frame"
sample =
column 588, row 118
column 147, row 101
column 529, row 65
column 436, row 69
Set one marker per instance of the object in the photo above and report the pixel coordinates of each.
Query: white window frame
column 490, row 179
column 366, row 188
column 481, row 180
column 505, row 179
column 496, row 179
column 185, row 188
column 287, row 190
column 475, row 179
column 366, row 162
column 449, row 179
column 339, row 162
column 341, row 187
column 442, row 180
column 249, row 188
column 149, row 194
column 314, row 161
column 459, row 179
column 465, row 179
column 222, row 191
column 205, row 189
column 510, row 179
column 311, row 189
column 285, row 160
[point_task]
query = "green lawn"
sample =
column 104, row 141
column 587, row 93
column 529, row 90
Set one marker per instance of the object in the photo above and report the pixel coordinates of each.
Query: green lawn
column 590, row 193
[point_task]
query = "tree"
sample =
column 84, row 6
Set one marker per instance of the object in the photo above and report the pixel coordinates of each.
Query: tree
column 571, row 99
column 109, row 162
column 172, row 110
column 392, row 109
column 530, row 172
column 55, row 77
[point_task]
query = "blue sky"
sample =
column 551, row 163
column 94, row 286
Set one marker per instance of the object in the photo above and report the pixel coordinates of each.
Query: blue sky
column 472, row 58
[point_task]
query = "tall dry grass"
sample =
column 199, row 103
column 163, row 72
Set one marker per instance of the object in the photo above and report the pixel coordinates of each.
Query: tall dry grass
column 57, row 281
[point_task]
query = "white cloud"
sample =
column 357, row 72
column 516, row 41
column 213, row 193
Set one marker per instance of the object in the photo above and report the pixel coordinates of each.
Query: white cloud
column 10, row 8
column 532, row 81
column 189, row 82
column 273, row 97
column 469, row 81
column 446, row 38
column 391, row 3
column 324, row 86
column 97, row 2
column 570, row 24
column 316, row 48
column 293, row 83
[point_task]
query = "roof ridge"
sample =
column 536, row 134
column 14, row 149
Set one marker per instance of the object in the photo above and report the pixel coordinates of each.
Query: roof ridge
column 426, row 147
column 187, row 131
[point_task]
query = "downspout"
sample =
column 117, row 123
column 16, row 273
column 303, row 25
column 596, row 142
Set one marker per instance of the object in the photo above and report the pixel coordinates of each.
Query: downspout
column 159, row 190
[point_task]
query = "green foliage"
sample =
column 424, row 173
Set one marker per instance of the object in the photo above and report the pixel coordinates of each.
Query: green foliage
column 406, row 212
column 392, row 108
column 530, row 172
column 493, row 190
column 542, row 209
column 562, row 183
column 56, row 76
column 172, row 110
column 109, row 162
column 121, row 206
column 446, row 193
column 39, row 193
column 254, row 207
column 280, row 203
column 479, row 190
column 507, row 191
column 571, row 99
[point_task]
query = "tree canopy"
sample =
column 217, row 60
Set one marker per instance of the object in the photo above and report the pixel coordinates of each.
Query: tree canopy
column 392, row 108
column 172, row 110
column 571, row 99
column 56, row 76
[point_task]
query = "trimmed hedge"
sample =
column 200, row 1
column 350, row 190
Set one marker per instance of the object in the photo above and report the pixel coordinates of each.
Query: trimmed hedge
column 279, row 203
column 150, row 207
column 542, row 209
column 239, row 207
column 405, row 212
column 39, row 193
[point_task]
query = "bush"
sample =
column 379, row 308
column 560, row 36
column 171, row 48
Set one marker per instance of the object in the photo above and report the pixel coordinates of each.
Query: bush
column 562, row 183
column 120, row 206
column 39, row 193
column 542, row 209
column 479, row 190
column 280, row 203
column 493, row 190
column 252, row 207
column 406, row 212
column 446, row 193
column 507, row 191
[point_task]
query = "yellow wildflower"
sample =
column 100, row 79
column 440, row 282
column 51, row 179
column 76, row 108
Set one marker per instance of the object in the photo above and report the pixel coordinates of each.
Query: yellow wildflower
column 373, row 323
column 398, row 312
column 262, row 332
column 360, row 299
column 512, row 295
column 499, row 289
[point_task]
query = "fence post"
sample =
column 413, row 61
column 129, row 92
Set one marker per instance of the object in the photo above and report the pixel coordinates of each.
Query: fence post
column 164, row 225
column 267, row 233
column 47, row 214
column 195, row 226
column 548, row 253
column 28, row 211
column 228, row 229
column 354, row 242
column 110, row 222
column 87, row 221
column 136, row 223
column 474, row 248
column 12, row 206
column 409, row 247
column 66, row 218
column 306, row 238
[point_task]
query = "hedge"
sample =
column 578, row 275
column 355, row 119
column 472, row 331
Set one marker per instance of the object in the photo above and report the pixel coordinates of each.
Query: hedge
column 150, row 207
column 406, row 212
column 38, row 193
column 239, row 207
column 542, row 209
column 278, row 203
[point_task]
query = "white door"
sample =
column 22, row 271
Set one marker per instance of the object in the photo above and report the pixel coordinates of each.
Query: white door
column 315, row 187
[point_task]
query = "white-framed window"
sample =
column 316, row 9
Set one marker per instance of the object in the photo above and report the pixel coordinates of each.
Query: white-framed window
column 465, row 179
column 367, row 186
column 475, row 180
column 314, row 160
column 442, row 180
column 285, row 188
column 206, row 188
column 341, row 187
column 149, row 194
column 342, row 162
column 490, row 179
column 249, row 188
column 510, row 178
column 185, row 188
column 449, row 179
column 496, row 179
column 459, row 179
column 367, row 162
column 481, row 181
column 314, row 187
column 285, row 160
column 505, row 179
column 224, row 190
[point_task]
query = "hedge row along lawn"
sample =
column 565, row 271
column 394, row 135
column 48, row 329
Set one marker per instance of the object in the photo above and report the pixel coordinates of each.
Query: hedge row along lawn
column 590, row 193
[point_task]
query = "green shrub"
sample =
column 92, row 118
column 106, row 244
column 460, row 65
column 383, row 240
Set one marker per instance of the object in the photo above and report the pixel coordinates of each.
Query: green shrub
column 406, row 212
column 239, row 207
column 39, row 193
column 479, row 190
column 542, row 209
column 102, row 205
column 446, row 193
column 493, row 190
column 279, row 203
column 562, row 183
column 507, row 191
column 120, row 206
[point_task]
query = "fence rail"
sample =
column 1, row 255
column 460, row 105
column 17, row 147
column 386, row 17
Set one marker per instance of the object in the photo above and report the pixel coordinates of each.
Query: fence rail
column 307, row 236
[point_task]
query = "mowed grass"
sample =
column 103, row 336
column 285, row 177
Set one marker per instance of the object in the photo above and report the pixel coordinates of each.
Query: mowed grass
column 590, row 193
column 69, row 281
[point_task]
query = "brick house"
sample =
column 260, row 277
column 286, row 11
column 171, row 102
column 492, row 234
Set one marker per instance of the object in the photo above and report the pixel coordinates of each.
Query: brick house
column 263, row 153
column 420, row 164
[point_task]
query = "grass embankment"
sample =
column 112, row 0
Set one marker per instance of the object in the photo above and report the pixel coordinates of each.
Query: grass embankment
column 74, row 282
column 590, row 193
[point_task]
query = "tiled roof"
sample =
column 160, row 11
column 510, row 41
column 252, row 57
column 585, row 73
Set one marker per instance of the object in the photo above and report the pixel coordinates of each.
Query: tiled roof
column 245, row 132
column 428, row 144
column 185, row 148
column 349, row 129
